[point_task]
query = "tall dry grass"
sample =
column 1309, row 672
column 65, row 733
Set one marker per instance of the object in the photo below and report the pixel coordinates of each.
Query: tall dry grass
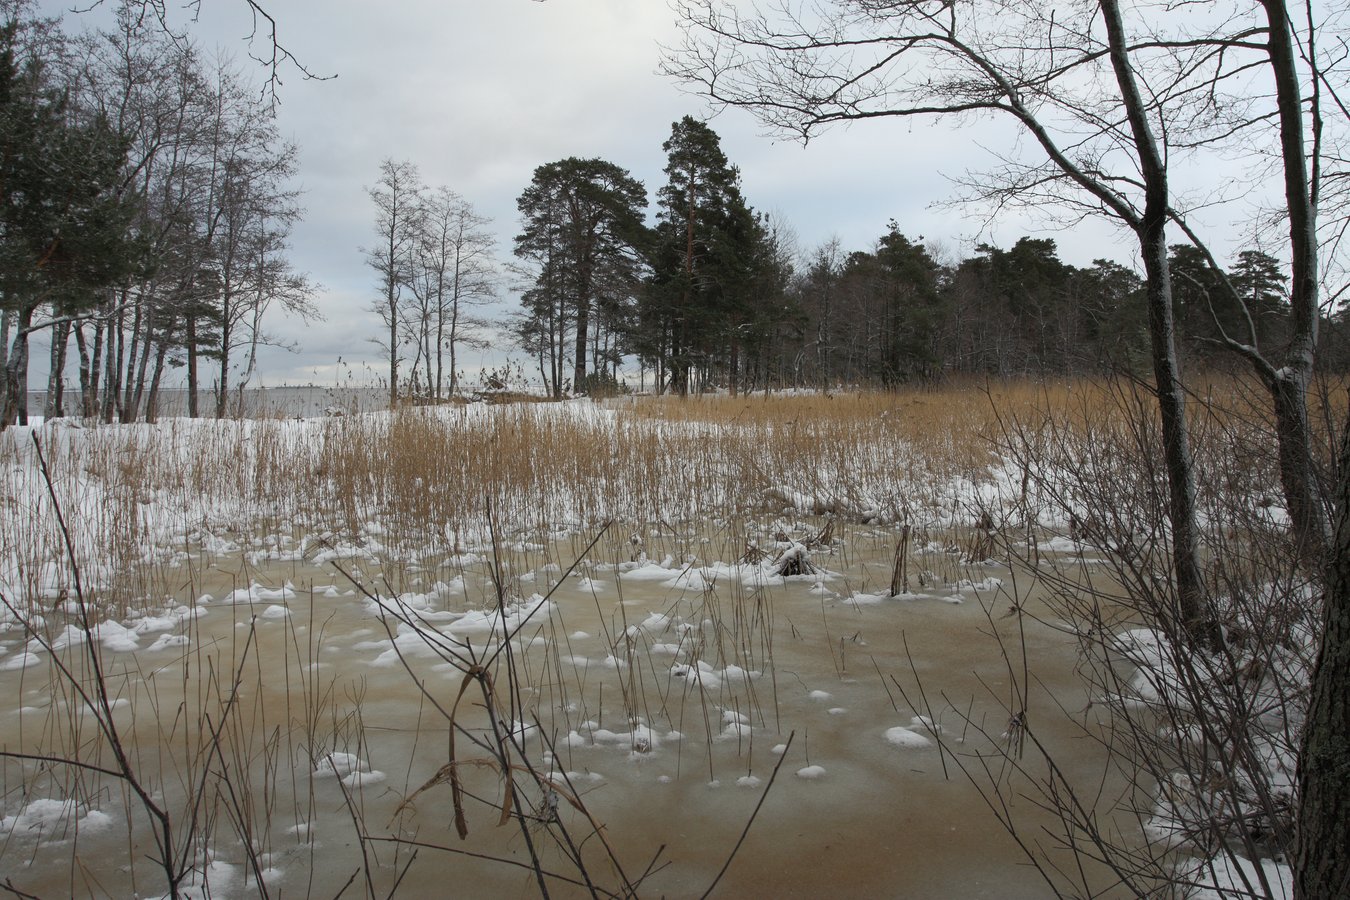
column 424, row 478
column 649, row 459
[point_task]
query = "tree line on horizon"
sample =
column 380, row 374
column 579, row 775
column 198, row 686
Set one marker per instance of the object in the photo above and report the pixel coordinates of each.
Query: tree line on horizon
column 714, row 294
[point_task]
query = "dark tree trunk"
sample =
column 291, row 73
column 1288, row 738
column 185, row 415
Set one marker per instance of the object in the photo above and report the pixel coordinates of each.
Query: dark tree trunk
column 1289, row 385
column 1192, row 616
column 16, row 372
column 543, row 368
column 1322, row 865
column 440, row 355
column 152, row 395
column 137, row 385
column 6, row 324
column 392, row 304
column 1308, row 514
column 96, row 370
column 112, row 380
column 192, row 382
column 579, row 349
column 733, row 367
column 56, row 372
column 450, row 352
column 223, row 383
column 87, row 405
column 128, row 411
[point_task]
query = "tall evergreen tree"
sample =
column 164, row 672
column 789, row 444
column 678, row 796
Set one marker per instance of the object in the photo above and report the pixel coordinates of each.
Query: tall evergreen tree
column 1258, row 279
column 206, row 156
column 702, row 264
column 1199, row 300
column 1248, row 305
column 583, row 237
column 818, row 290
column 911, row 309
column 1110, row 307
column 766, row 319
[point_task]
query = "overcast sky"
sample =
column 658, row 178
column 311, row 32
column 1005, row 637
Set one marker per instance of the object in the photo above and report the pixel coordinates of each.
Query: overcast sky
column 478, row 93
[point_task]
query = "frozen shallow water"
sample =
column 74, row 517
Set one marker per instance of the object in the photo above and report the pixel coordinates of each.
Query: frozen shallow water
column 658, row 683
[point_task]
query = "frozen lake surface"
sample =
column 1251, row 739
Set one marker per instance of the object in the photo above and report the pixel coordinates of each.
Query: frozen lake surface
column 657, row 684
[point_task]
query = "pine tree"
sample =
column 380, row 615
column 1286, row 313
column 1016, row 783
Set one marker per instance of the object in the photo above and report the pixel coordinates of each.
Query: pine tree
column 912, row 309
column 583, row 237
column 703, row 266
column 1258, row 279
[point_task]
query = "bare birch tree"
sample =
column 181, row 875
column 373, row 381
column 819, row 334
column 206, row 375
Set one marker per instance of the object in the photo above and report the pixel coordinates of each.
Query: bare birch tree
column 396, row 196
column 455, row 272
column 265, row 43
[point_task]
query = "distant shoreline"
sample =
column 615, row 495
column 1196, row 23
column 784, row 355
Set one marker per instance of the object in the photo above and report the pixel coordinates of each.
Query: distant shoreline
column 288, row 401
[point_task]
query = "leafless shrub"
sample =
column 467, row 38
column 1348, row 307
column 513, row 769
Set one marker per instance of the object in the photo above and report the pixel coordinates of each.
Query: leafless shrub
column 1200, row 744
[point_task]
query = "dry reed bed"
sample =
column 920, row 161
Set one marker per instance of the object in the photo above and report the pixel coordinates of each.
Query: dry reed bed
column 425, row 479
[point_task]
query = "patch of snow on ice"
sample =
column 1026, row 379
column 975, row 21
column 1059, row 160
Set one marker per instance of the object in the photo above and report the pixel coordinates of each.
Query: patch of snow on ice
column 906, row 739
column 357, row 779
column 656, row 622
column 21, row 660
column 168, row 641
column 924, row 723
column 339, row 765
column 51, row 818
column 1061, row 544
column 734, row 730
